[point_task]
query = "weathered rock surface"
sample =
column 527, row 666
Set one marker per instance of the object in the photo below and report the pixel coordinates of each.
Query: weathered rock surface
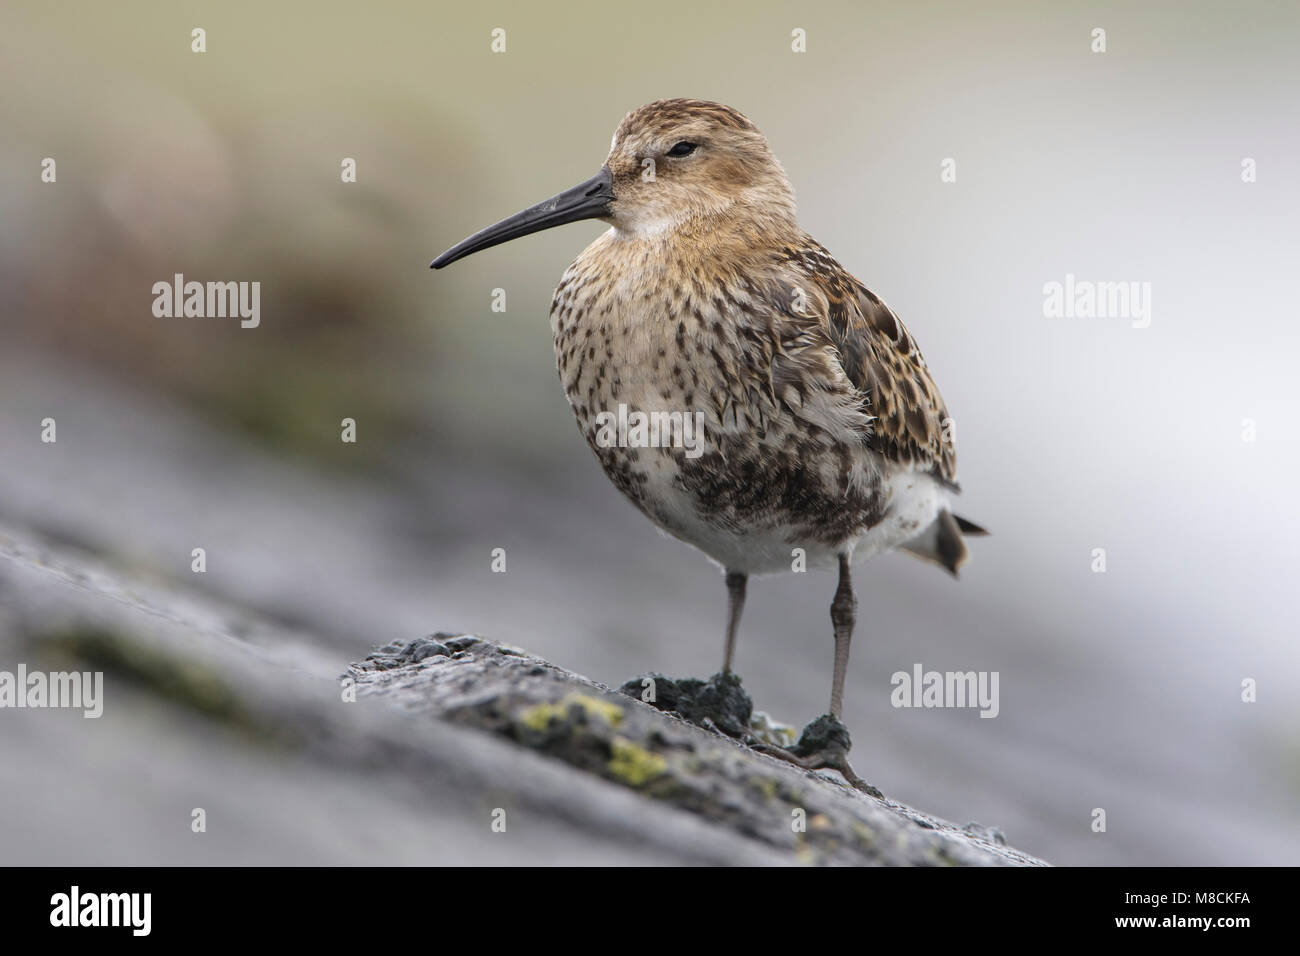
column 806, row 817
column 207, row 705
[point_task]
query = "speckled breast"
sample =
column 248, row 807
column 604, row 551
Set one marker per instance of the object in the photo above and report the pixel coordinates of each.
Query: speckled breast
column 757, row 480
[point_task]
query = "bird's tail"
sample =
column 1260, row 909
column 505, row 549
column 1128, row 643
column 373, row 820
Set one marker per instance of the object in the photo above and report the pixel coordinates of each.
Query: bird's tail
column 942, row 541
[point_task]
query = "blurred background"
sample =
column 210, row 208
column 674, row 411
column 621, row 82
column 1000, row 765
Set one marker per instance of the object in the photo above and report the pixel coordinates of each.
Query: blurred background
column 1119, row 690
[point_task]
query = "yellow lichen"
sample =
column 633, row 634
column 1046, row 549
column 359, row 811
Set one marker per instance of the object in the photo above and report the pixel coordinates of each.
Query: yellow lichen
column 539, row 716
column 864, row 834
column 767, row 787
column 634, row 765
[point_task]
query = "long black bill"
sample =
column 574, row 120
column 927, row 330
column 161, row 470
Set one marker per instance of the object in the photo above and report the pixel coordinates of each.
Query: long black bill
column 589, row 200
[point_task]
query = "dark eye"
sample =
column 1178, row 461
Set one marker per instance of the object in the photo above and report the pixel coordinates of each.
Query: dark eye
column 682, row 149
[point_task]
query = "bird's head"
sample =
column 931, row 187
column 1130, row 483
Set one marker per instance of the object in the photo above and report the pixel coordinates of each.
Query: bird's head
column 676, row 162
column 673, row 164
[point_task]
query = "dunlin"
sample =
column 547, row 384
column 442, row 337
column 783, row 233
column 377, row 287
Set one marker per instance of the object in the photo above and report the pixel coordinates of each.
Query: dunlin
column 825, row 440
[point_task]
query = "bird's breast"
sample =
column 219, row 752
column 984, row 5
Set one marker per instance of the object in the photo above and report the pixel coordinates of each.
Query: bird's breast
column 671, row 386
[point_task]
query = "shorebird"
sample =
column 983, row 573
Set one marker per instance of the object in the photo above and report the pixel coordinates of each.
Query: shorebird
column 825, row 439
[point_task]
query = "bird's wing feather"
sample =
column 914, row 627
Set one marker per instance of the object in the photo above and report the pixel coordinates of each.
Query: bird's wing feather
column 910, row 424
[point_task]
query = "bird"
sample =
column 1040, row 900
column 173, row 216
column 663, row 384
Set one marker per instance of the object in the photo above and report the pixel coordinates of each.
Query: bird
column 824, row 440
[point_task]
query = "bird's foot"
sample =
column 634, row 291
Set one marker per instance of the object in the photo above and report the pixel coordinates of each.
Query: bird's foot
column 823, row 745
column 721, row 705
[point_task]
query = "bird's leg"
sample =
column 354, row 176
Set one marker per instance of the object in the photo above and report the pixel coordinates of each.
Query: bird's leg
column 844, row 609
column 719, row 704
column 735, row 604
column 825, row 743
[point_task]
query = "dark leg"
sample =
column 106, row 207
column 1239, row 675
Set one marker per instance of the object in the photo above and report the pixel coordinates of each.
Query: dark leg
column 735, row 604
column 844, row 610
column 825, row 743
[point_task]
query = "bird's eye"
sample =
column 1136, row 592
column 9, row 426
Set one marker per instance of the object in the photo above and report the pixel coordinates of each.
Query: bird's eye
column 682, row 149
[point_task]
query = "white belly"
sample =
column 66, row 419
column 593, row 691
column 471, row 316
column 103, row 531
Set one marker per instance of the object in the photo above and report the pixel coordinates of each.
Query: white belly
column 915, row 501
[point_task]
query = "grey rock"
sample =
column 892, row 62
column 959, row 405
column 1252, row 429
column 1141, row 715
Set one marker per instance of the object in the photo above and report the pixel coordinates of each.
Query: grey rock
column 663, row 753
column 208, row 705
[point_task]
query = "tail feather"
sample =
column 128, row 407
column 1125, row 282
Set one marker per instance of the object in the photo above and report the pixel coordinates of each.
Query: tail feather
column 942, row 541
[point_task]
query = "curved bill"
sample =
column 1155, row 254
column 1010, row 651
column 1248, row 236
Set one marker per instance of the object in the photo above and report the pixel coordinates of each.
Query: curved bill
column 589, row 200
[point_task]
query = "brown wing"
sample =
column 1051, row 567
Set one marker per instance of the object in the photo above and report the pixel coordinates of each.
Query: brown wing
column 881, row 359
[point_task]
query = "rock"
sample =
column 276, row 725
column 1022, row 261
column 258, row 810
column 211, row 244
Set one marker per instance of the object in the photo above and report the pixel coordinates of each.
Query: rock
column 664, row 753
column 717, row 702
column 415, row 758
